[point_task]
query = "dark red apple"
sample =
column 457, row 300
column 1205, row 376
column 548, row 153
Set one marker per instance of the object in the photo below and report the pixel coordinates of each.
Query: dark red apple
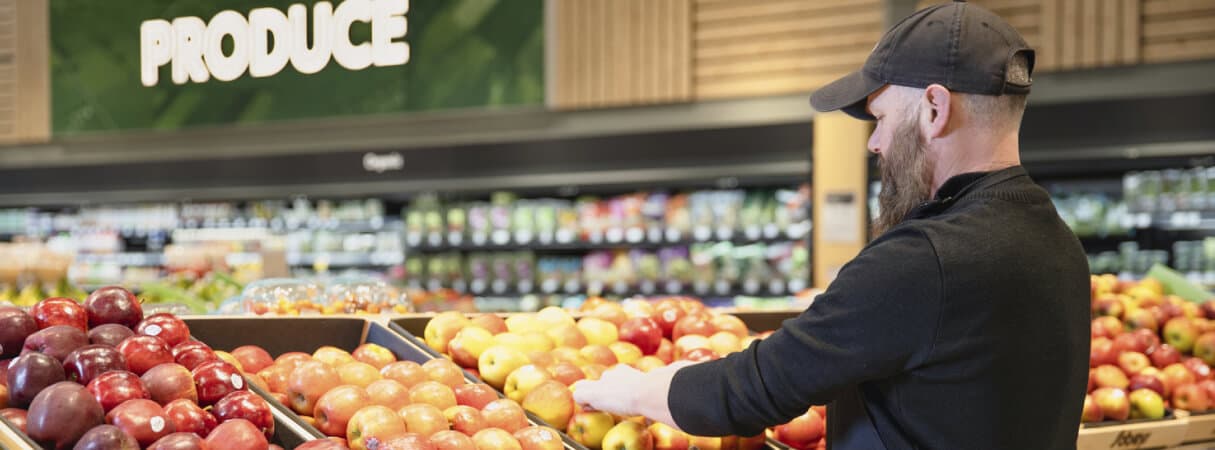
column 1148, row 340
column 192, row 353
column 1142, row 381
column 106, row 437
column 237, row 434
column 56, row 341
column 145, row 352
column 216, row 379
column 14, row 416
column 168, row 382
column 180, row 441
column 111, row 389
column 86, row 363
column 188, row 417
column 29, row 374
column 110, row 334
column 113, row 304
column 642, row 332
column 666, row 314
column 1164, row 356
column 60, row 311
column 143, row 419
column 1208, row 309
column 249, row 406
column 61, row 414
column 15, row 326
column 165, row 326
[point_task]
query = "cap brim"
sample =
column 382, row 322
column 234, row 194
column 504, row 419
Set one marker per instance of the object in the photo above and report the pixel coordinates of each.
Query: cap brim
column 849, row 94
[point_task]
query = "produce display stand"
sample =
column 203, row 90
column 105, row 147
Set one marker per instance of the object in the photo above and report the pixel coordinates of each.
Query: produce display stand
column 761, row 321
column 1134, row 434
column 1200, row 428
column 10, row 438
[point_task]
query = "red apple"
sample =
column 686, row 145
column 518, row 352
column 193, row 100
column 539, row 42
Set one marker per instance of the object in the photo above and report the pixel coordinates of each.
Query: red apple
column 1191, row 398
column 1164, row 355
column 276, row 377
column 237, row 434
column 1108, row 306
column 215, row 379
column 1106, row 327
column 475, row 395
column 389, row 393
column 165, row 326
column 465, row 419
column 1111, row 376
column 492, row 322
column 308, row 382
column 409, row 441
column 110, row 334
column 15, row 326
column 1133, row 362
column 56, row 341
column 293, row 359
column 252, row 358
column 802, row 431
column 666, row 315
column 1102, row 352
column 642, row 332
column 61, row 414
column 539, row 438
column 143, row 419
column 1113, row 402
column 700, row 355
column 30, row 374
column 145, row 352
column 567, row 373
column 106, row 437
column 1128, row 342
column 1209, row 387
column 192, row 353
column 246, row 405
column 423, row 419
column 452, row 440
column 113, row 388
column 335, row 408
column 86, row 363
column 1200, row 369
column 1177, row 374
column 504, row 414
column 15, row 416
column 408, row 373
column 444, row 371
column 1148, row 340
column 168, row 382
column 180, row 441
column 1091, row 412
column 666, row 351
column 60, row 311
column 113, row 304
column 188, row 417
column 374, row 354
column 698, row 324
column 1153, row 382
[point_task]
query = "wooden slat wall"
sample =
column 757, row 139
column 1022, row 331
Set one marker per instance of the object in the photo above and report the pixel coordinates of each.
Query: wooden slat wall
column 24, row 71
column 619, row 52
column 1178, row 30
column 766, row 47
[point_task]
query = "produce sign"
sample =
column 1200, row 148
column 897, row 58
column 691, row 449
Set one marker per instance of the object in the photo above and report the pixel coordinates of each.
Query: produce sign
column 150, row 64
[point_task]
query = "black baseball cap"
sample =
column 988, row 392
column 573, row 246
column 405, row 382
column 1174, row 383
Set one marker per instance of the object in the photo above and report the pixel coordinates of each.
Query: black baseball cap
column 958, row 45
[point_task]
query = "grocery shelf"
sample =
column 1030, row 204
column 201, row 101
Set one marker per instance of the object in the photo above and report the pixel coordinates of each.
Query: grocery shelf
column 644, row 288
column 347, row 259
column 129, row 259
column 612, row 239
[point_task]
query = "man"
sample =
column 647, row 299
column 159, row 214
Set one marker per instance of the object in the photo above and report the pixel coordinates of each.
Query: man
column 965, row 323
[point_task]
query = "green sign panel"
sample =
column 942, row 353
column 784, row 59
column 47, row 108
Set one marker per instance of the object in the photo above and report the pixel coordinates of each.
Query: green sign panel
column 166, row 65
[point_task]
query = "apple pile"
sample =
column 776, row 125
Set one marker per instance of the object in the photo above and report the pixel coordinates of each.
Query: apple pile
column 1149, row 352
column 805, row 432
column 367, row 398
column 101, row 375
column 534, row 359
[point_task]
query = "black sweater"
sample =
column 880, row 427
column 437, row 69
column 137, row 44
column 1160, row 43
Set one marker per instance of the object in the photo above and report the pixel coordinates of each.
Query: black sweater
column 964, row 327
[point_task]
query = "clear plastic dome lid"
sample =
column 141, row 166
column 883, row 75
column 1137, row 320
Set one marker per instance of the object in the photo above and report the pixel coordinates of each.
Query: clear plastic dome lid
column 286, row 296
column 367, row 295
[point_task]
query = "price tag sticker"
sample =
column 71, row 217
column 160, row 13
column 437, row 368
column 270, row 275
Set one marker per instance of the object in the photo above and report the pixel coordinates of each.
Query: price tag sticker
column 523, row 237
column 499, row 286
column 565, row 236
column 615, row 235
column 634, row 235
column 157, row 423
column 237, row 381
column 771, row 231
column 549, row 286
column 673, row 235
column 725, row 233
column 455, row 238
column 702, row 233
column 501, row 237
column 674, row 287
column 647, row 287
column 478, row 286
column 152, row 330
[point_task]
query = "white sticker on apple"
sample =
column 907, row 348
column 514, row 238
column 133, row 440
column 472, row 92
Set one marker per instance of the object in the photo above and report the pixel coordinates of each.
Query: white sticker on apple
column 157, row 423
column 153, row 330
column 237, row 381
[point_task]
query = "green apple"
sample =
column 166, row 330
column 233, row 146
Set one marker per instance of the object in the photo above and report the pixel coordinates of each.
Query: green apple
column 1180, row 333
column 589, row 427
column 1146, row 404
column 497, row 362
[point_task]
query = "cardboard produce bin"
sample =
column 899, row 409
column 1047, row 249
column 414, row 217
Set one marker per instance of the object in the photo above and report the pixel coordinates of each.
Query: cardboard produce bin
column 1134, row 434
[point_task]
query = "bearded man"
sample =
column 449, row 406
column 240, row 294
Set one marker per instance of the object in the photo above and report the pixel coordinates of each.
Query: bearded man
column 964, row 324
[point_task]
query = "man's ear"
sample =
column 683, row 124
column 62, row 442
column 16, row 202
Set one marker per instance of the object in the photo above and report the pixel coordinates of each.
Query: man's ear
column 937, row 111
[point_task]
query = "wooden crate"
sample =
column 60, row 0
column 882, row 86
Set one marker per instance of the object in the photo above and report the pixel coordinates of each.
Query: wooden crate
column 1136, row 435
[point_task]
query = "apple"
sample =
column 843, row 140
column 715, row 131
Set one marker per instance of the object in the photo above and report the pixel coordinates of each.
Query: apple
column 589, row 427
column 1113, row 402
column 1111, row 376
column 1108, row 306
column 60, row 311
column 388, row 393
column 190, row 354
column 276, row 377
column 433, row 393
column 292, row 359
column 568, row 373
column 490, row 322
column 666, row 351
column 1180, row 333
column 598, row 331
column 376, row 355
column 1127, row 342
column 308, row 382
column 15, row 326
column 1091, row 413
column 629, row 435
column 1141, row 319
column 253, row 358
column 1146, row 381
column 1147, row 404
column 143, row 419
column 444, row 371
column 1164, row 355
column 1200, row 369
column 408, row 373
column 113, row 388
column 165, row 326
column 249, row 406
column 495, row 439
column 215, row 379
column 332, row 356
column 635, row 307
column 452, row 440
column 552, row 402
column 522, row 380
column 423, row 419
column 803, row 431
column 725, row 343
column 643, row 333
column 465, row 419
column 522, row 323
column 56, row 341
column 626, row 352
column 685, row 344
column 539, row 438
column 358, row 373
column 113, row 304
column 106, row 437
column 701, row 355
column 553, row 317
column 1209, row 387
column 729, row 323
column 188, row 417
column 667, row 438
column 512, row 340
column 180, row 441
column 29, row 374
column 543, row 359
column 335, row 408
column 1191, row 398
column 1176, row 375
column 611, row 312
column 143, row 352
column 408, row 441
column 442, row 328
column 599, row 354
column 1101, row 352
column 476, row 395
column 15, row 416
column 61, row 414
column 1106, row 327
column 594, row 371
column 497, row 362
column 237, row 434
column 86, row 363
column 648, row 363
column 567, row 335
column 372, row 425
column 505, row 414
column 110, row 334
column 537, row 341
column 1148, row 340
column 693, row 324
column 1133, row 362
column 1204, row 347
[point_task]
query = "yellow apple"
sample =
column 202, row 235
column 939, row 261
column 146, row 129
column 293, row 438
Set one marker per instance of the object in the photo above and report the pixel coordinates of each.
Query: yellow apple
column 598, row 331
column 724, row 343
column 628, row 435
column 374, row 354
column 732, row 324
column 512, row 340
column 668, row 438
column 648, row 363
column 626, row 352
column 569, row 355
column 332, row 356
column 523, row 380
column 637, row 308
column 589, row 427
column 468, row 344
column 536, row 341
column 442, row 328
column 688, row 343
column 521, row 323
column 373, row 424
column 599, row 354
column 553, row 317
column 552, row 402
column 567, row 336
column 497, row 362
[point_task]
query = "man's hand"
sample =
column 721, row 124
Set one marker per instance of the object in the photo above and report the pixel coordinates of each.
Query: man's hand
column 625, row 391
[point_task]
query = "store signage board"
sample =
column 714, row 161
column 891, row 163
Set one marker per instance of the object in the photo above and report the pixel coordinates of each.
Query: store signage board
column 171, row 65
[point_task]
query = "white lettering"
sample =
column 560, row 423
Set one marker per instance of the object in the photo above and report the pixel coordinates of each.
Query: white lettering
column 264, row 62
column 188, row 38
column 387, row 24
column 155, row 49
column 383, row 163
column 305, row 60
column 350, row 56
column 227, row 67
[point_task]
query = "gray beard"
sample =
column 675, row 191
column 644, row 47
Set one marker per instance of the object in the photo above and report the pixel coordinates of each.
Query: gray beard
column 906, row 177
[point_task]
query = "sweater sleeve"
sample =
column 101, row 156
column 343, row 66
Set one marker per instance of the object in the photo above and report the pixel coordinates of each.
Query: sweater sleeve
column 877, row 318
